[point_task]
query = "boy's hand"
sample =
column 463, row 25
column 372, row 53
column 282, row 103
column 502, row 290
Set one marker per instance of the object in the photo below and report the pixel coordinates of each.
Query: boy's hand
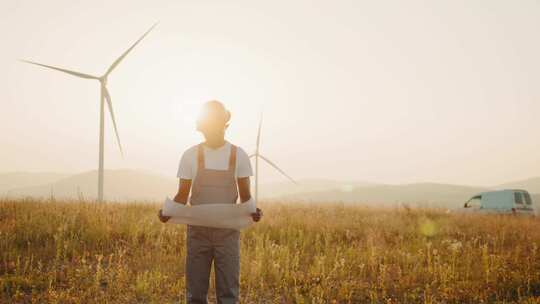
column 162, row 217
column 256, row 216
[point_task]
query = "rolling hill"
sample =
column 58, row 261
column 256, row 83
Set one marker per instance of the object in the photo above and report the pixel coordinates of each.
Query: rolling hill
column 280, row 189
column 127, row 184
column 531, row 184
column 121, row 184
column 420, row 194
column 13, row 180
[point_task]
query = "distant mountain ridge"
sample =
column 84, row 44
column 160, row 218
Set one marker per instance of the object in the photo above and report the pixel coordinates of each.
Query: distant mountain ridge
column 123, row 184
column 419, row 194
column 531, row 184
column 279, row 189
column 130, row 185
column 12, row 180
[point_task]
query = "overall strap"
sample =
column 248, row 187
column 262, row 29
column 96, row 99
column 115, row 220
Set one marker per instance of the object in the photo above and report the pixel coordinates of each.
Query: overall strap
column 232, row 159
column 200, row 157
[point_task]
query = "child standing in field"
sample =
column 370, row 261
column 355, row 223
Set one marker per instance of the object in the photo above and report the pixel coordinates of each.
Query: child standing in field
column 220, row 172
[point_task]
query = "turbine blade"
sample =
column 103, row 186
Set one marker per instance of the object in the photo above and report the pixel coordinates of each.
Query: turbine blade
column 109, row 103
column 77, row 74
column 277, row 168
column 117, row 61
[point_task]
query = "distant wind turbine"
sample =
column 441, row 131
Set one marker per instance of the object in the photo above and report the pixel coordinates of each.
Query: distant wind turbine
column 258, row 155
column 104, row 96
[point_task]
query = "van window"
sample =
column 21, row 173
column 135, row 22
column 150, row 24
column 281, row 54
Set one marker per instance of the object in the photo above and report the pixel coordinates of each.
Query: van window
column 518, row 198
column 528, row 200
column 474, row 202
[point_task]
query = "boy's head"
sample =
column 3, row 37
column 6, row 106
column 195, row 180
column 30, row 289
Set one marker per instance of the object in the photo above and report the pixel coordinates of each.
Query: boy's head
column 213, row 119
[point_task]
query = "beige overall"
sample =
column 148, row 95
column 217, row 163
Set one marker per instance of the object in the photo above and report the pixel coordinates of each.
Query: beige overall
column 207, row 244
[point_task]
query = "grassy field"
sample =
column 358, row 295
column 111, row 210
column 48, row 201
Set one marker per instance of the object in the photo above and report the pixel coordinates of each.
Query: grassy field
column 73, row 252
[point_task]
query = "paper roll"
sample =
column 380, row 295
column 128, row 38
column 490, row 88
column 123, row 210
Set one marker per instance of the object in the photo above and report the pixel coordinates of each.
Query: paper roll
column 233, row 216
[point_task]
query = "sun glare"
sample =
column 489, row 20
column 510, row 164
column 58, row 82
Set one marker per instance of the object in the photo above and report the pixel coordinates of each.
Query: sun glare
column 189, row 111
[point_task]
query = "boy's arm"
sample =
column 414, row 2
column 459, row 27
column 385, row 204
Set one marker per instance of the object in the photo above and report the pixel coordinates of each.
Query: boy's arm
column 184, row 187
column 244, row 189
column 181, row 197
column 245, row 195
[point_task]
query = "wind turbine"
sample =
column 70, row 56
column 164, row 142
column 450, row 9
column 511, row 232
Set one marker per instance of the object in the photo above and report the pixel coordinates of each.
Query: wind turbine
column 104, row 96
column 258, row 155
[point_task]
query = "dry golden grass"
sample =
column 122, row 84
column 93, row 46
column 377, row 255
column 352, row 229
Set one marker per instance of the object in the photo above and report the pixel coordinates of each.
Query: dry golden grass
column 76, row 252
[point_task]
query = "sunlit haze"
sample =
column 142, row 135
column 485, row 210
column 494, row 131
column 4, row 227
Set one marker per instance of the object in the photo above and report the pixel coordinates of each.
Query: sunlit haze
column 381, row 91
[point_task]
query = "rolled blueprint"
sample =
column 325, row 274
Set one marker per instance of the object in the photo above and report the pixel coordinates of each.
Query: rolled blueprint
column 233, row 216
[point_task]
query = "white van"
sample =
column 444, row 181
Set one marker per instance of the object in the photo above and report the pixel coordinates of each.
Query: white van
column 502, row 201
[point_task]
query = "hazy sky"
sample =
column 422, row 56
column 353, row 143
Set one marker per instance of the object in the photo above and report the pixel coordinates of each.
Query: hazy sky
column 384, row 91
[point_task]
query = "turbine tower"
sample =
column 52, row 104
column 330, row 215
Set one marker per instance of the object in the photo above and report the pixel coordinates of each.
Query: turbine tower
column 258, row 155
column 104, row 97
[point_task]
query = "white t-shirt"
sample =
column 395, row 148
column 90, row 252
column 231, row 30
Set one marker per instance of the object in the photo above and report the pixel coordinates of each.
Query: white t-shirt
column 216, row 159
